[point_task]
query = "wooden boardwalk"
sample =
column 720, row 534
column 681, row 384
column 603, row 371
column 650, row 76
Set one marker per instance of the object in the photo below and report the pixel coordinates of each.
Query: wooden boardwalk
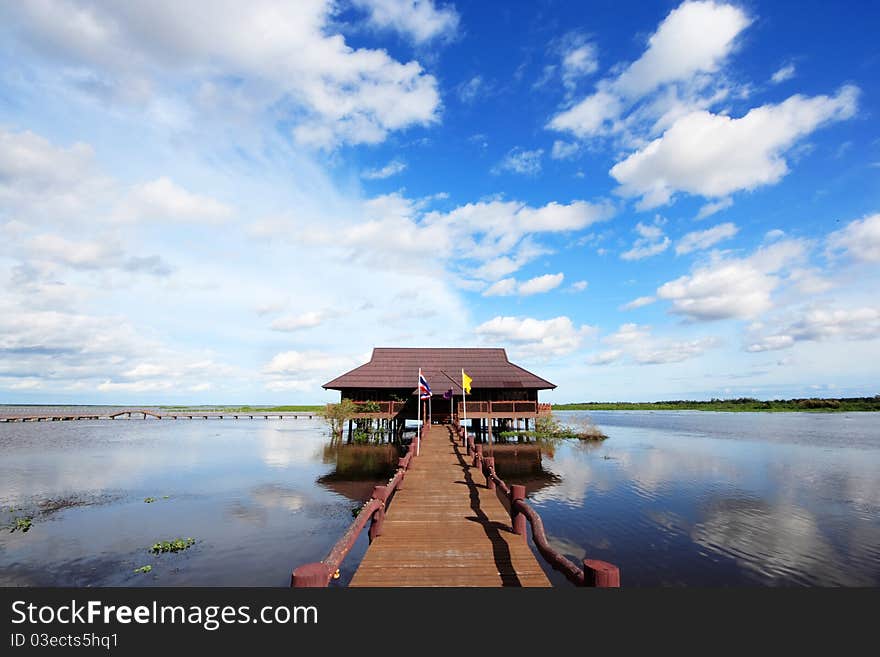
column 444, row 528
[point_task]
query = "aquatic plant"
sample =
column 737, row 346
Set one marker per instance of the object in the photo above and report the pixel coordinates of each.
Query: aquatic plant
column 144, row 569
column 22, row 524
column 335, row 415
column 175, row 545
column 149, row 500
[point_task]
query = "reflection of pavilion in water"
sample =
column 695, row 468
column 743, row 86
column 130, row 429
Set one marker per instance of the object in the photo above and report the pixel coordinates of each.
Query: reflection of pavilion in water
column 361, row 467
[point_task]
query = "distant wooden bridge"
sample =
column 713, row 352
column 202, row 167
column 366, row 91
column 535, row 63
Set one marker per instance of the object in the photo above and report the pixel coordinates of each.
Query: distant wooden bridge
column 144, row 414
column 433, row 525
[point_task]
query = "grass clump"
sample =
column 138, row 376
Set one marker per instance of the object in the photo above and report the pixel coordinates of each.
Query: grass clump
column 144, row 569
column 149, row 500
column 22, row 524
column 175, row 545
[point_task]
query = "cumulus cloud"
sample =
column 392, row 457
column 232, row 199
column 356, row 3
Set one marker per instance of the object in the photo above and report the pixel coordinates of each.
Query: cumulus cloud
column 732, row 287
column 860, row 239
column 818, row 324
column 537, row 285
column 713, row 207
column 651, row 242
column 536, row 338
column 419, row 20
column 563, row 150
column 694, row 39
column 391, row 169
column 714, row 155
column 163, row 200
column 638, row 303
column 289, row 323
column 703, row 239
column 527, row 163
column 637, row 344
column 340, row 94
column 783, row 74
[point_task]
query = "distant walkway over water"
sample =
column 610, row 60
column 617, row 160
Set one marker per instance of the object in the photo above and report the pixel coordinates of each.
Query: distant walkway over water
column 445, row 527
column 144, row 414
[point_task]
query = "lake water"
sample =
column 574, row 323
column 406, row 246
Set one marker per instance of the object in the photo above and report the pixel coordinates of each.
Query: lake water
column 672, row 498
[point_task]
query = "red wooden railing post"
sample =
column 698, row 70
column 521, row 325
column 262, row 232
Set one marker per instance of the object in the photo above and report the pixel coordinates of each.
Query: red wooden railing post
column 378, row 518
column 401, row 465
column 478, row 455
column 601, row 574
column 517, row 519
column 489, row 466
column 311, row 575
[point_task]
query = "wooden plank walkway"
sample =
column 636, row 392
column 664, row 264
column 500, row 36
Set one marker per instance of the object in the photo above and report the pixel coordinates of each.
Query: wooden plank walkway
column 444, row 528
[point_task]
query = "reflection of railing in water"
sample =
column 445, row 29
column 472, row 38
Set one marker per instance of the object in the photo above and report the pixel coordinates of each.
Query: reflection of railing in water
column 593, row 573
column 320, row 573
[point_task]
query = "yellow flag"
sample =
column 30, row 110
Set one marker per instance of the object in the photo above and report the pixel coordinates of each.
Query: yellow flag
column 466, row 382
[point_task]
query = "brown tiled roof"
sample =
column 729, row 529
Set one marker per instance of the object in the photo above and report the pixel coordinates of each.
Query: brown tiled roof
column 397, row 367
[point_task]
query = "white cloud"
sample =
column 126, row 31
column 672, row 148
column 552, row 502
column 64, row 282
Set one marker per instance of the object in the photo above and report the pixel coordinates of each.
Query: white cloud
column 651, row 242
column 502, row 288
column 732, row 287
column 162, row 199
column 638, row 303
column 530, row 337
column 297, row 363
column 860, row 239
column 84, row 255
column 391, row 169
column 420, row 20
column 290, row 323
column 537, row 285
column 694, row 38
column 338, row 94
column 563, row 150
column 577, row 62
column 636, row 342
column 579, row 286
column 472, row 89
column 692, row 41
column 703, row 239
column 783, row 74
column 540, row 284
column 714, row 155
column 714, row 207
column 819, row 324
column 527, row 163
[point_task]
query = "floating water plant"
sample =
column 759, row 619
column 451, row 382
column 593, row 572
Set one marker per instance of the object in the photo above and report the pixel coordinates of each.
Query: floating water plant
column 22, row 524
column 144, row 569
column 149, row 500
column 176, row 545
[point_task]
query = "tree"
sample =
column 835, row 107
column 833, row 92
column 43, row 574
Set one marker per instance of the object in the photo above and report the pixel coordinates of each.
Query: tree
column 335, row 415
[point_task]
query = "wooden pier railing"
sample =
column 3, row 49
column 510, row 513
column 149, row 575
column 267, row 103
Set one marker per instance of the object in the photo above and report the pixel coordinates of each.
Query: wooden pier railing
column 379, row 407
column 501, row 408
column 592, row 572
column 319, row 574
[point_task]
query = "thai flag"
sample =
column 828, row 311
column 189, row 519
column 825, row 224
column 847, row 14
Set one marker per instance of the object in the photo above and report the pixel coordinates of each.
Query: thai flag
column 424, row 388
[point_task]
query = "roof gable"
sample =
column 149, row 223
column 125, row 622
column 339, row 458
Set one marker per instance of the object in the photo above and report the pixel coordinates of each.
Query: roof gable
column 397, row 367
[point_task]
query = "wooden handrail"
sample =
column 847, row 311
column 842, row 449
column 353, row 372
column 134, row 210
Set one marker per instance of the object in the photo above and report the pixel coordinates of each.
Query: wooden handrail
column 594, row 572
column 319, row 574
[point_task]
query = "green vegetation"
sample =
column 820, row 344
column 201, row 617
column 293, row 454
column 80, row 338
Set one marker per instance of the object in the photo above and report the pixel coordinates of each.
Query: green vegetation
column 144, row 569
column 743, row 404
column 22, row 524
column 149, row 500
column 551, row 430
column 176, row 545
column 336, row 415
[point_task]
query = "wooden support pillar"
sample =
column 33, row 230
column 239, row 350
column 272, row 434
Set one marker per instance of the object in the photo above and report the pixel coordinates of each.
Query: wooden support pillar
column 490, row 466
column 311, row 575
column 601, row 574
column 517, row 519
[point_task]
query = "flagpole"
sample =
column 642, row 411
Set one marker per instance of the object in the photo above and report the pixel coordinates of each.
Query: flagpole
column 419, row 412
column 464, row 407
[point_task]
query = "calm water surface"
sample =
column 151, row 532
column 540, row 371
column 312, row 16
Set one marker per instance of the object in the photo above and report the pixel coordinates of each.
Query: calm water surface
column 673, row 498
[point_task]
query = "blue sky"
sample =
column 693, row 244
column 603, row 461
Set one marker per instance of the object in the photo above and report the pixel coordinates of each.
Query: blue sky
column 234, row 202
